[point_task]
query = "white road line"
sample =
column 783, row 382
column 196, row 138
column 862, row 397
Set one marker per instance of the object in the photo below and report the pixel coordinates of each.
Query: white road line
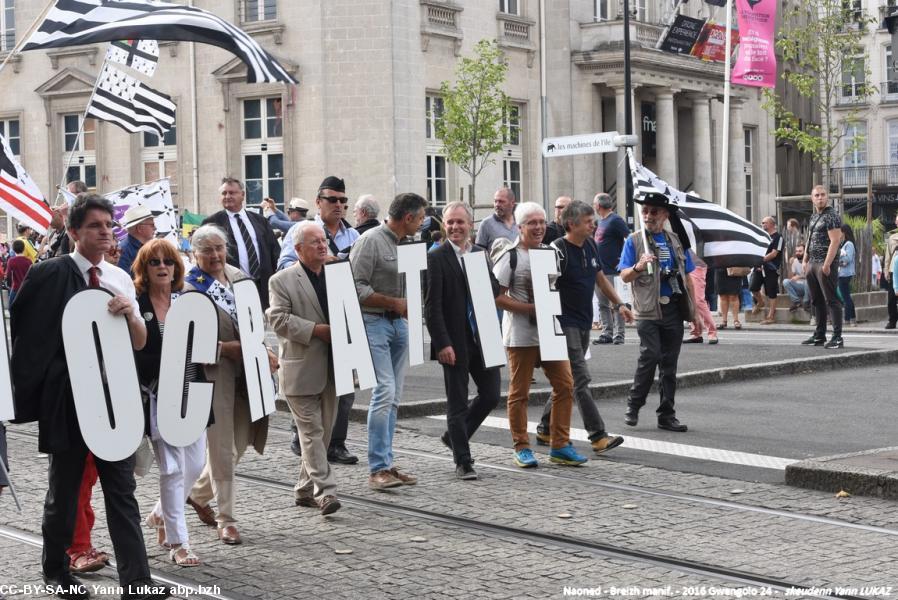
column 685, row 450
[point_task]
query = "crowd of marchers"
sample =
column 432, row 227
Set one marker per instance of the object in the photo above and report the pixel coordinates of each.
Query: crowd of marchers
column 593, row 248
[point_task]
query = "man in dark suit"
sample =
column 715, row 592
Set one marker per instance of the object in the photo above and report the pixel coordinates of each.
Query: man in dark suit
column 43, row 393
column 454, row 341
column 252, row 246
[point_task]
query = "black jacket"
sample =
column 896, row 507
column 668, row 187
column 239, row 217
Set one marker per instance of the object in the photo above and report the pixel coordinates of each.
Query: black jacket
column 42, row 390
column 446, row 304
column 269, row 249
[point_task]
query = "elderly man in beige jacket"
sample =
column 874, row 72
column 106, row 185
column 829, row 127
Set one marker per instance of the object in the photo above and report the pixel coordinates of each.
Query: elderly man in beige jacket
column 299, row 315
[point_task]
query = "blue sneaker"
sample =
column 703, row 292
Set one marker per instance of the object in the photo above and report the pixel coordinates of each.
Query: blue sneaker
column 525, row 459
column 567, row 456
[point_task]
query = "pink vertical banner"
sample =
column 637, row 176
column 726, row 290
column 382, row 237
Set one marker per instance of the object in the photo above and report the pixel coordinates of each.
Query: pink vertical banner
column 756, row 64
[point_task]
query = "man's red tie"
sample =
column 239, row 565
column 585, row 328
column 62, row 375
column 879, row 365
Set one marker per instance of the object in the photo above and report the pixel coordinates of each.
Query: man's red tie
column 93, row 277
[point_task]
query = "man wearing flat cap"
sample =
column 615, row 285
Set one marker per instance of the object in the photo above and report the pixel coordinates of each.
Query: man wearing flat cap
column 332, row 204
column 656, row 268
column 138, row 221
column 297, row 210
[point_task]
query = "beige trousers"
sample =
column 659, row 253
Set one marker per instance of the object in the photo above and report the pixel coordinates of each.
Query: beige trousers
column 314, row 416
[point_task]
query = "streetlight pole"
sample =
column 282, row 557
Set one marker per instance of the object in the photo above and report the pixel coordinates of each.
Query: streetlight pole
column 628, row 109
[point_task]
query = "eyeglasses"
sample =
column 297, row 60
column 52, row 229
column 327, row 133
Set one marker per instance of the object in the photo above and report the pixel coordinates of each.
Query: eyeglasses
column 335, row 199
column 155, row 262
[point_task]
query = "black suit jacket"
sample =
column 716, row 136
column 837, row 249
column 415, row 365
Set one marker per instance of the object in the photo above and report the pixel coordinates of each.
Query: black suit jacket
column 42, row 390
column 446, row 304
column 269, row 249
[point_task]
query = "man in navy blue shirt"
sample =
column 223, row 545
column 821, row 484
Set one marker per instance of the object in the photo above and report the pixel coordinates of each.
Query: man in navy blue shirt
column 657, row 270
column 581, row 272
column 611, row 232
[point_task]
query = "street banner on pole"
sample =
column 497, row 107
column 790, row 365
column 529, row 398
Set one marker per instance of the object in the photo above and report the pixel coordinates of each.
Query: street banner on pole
column 682, row 35
column 756, row 64
column 588, row 143
column 711, row 44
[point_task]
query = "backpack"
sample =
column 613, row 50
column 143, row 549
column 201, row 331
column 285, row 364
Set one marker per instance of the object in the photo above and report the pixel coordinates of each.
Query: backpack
column 561, row 252
column 499, row 248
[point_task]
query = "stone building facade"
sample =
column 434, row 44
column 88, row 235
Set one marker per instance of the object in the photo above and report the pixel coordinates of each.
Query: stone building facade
column 369, row 74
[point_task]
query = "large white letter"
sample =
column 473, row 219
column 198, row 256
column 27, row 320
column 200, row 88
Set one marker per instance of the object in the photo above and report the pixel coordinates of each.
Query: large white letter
column 182, row 424
column 251, row 322
column 548, row 304
column 485, row 313
column 347, row 324
column 95, row 341
column 7, row 408
column 413, row 260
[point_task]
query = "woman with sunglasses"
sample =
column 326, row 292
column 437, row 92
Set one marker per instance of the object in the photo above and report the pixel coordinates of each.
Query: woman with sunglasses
column 158, row 279
column 233, row 431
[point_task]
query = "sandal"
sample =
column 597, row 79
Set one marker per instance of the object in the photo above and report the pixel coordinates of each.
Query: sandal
column 737, row 325
column 722, row 325
column 154, row 522
column 183, row 556
column 88, row 562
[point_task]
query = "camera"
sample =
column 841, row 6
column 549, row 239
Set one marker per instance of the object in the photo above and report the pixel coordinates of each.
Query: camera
column 672, row 277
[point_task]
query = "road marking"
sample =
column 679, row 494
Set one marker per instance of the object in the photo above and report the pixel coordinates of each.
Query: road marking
column 674, row 449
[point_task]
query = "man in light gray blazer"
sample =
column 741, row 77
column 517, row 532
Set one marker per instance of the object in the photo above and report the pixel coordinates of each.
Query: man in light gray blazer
column 298, row 314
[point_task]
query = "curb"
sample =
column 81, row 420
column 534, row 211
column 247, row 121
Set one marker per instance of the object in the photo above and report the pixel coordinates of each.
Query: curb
column 801, row 366
column 856, row 473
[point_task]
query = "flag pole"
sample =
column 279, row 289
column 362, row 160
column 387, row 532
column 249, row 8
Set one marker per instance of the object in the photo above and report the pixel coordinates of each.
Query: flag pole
column 725, row 141
column 12, row 488
column 645, row 240
column 78, row 140
column 40, row 19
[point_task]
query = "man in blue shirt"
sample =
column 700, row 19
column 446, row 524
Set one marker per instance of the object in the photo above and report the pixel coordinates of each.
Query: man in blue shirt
column 139, row 223
column 662, row 299
column 611, row 232
column 581, row 273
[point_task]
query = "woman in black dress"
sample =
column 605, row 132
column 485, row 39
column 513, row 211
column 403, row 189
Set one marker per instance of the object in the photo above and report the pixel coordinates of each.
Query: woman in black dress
column 728, row 288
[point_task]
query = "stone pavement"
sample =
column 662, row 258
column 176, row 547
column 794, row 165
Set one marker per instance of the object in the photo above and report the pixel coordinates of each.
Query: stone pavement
column 291, row 552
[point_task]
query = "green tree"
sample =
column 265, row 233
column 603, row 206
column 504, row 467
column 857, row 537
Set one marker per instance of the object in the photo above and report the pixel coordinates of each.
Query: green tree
column 472, row 124
column 821, row 45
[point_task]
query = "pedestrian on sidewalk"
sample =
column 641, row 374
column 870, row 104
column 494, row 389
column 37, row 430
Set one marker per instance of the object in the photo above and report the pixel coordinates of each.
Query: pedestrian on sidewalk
column 704, row 318
column 299, row 316
column 821, row 269
column 846, row 273
column 728, row 281
column 521, row 339
column 796, row 285
column 454, row 341
column 887, row 282
column 662, row 300
column 381, row 291
column 611, row 232
column 767, row 275
column 581, row 273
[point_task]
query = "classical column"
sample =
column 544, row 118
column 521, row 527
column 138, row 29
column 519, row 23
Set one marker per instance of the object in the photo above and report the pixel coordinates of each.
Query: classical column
column 736, row 174
column 623, row 167
column 666, row 151
column 585, row 166
column 701, row 128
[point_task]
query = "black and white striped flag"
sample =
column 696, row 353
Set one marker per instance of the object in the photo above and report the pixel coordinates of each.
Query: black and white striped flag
column 131, row 104
column 727, row 239
column 78, row 22
column 140, row 55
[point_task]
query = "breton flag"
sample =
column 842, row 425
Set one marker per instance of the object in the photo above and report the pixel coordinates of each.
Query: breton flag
column 140, row 55
column 132, row 105
column 20, row 197
column 79, row 22
column 156, row 196
column 727, row 239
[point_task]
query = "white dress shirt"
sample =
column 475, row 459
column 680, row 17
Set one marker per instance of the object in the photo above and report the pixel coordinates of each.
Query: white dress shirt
column 111, row 278
column 242, row 255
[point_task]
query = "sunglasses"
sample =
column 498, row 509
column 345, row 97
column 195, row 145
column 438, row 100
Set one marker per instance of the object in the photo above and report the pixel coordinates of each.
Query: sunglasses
column 335, row 199
column 155, row 262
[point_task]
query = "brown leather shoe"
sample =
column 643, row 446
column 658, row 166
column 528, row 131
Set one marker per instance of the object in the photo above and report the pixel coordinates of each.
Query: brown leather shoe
column 305, row 500
column 383, row 480
column 405, row 478
column 205, row 513
column 329, row 505
column 229, row 535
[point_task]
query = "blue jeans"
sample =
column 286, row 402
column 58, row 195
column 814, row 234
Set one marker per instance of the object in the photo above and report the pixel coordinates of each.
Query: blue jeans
column 388, row 341
column 845, row 290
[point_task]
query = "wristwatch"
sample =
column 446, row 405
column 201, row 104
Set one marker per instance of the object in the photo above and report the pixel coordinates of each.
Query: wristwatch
column 618, row 305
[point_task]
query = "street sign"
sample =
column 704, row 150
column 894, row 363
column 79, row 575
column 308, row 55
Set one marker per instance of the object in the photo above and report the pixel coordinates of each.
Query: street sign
column 588, row 143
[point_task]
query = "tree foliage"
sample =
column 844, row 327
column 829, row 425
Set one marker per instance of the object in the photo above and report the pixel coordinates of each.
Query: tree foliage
column 472, row 124
column 821, row 45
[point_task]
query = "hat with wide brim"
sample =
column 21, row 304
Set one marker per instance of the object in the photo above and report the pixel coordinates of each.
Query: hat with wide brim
column 135, row 215
column 656, row 199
